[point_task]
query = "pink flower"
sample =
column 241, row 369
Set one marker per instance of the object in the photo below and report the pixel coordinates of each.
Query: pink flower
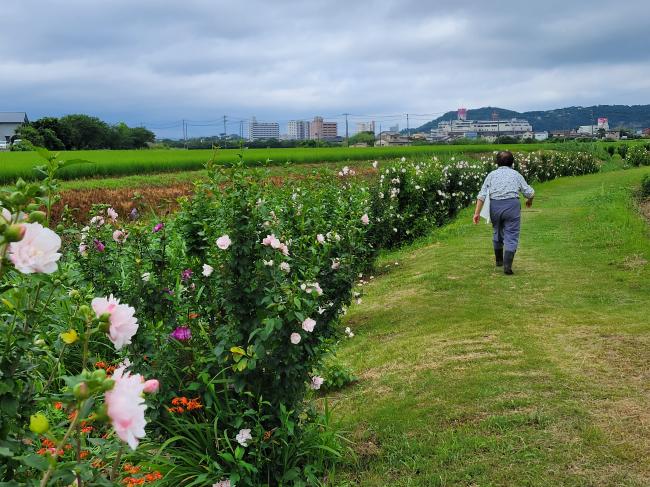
column 83, row 249
column 158, row 227
column 223, row 242
column 336, row 263
column 125, row 406
column 112, row 214
column 308, row 325
column 120, row 236
column 99, row 245
column 222, row 483
column 122, row 324
column 316, row 382
column 271, row 240
column 97, row 220
column 320, row 238
column 364, row 219
column 295, row 338
column 186, row 275
column 37, row 251
column 207, row 270
column 284, row 267
column 244, row 436
column 182, row 334
column 151, row 386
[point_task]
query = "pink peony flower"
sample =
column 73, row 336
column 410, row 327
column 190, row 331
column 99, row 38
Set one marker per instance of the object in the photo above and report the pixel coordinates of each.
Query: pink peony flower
column 112, row 214
column 182, row 334
column 207, row 270
column 99, row 245
column 364, row 219
column 308, row 325
column 336, row 263
column 97, row 220
column 223, row 242
column 186, row 275
column 295, row 338
column 222, row 483
column 316, row 382
column 244, row 436
column 120, row 236
column 83, row 249
column 151, row 386
column 37, row 251
column 125, row 406
column 122, row 324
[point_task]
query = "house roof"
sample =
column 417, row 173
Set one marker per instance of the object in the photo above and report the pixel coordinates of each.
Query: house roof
column 13, row 117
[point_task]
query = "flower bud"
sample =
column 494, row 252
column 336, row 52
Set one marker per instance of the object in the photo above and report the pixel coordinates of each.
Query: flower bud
column 151, row 386
column 85, row 311
column 108, row 384
column 99, row 374
column 104, row 317
column 81, row 391
column 74, row 294
column 32, row 207
column 38, row 423
column 37, row 217
column 15, row 233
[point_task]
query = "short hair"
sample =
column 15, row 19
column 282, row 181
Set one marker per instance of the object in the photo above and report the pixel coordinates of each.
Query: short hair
column 505, row 158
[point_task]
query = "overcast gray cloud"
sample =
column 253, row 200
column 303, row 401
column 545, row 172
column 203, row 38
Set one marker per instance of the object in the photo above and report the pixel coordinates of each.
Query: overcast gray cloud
column 157, row 62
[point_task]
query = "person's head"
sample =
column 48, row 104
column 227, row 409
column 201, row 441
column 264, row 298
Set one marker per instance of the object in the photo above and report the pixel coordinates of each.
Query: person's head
column 505, row 158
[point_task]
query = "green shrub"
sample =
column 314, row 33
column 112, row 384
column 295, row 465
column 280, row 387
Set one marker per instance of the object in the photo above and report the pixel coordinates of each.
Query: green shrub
column 645, row 186
column 637, row 155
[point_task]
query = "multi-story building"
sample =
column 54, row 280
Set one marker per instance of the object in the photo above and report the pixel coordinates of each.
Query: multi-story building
column 321, row 130
column 263, row 130
column 298, row 130
column 479, row 128
column 366, row 127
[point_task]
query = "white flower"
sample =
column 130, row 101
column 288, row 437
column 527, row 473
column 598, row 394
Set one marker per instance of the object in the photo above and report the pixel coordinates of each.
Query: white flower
column 244, row 436
column 320, row 238
column 223, row 242
column 375, row 164
column 295, row 338
column 336, row 263
column 316, row 382
column 146, row 276
column 308, row 325
column 112, row 214
column 284, row 267
column 98, row 221
column 268, row 263
column 222, row 483
column 403, row 159
column 36, row 251
column 207, row 270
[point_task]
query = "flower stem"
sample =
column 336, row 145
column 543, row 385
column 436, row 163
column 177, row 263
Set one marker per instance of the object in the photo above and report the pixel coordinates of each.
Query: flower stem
column 59, row 446
column 116, row 463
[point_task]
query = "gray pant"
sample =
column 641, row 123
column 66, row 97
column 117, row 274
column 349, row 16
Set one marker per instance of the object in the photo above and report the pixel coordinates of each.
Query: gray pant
column 506, row 220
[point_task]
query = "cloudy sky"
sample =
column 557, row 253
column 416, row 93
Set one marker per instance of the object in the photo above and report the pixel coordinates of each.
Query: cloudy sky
column 156, row 62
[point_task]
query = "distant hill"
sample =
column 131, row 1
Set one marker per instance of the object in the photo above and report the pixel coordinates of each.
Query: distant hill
column 633, row 117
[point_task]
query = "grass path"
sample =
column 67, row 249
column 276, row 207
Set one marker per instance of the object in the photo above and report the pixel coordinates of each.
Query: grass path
column 469, row 377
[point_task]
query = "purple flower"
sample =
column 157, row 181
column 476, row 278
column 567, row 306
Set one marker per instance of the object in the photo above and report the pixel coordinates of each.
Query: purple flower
column 168, row 291
column 186, row 274
column 134, row 214
column 99, row 246
column 182, row 333
column 158, row 227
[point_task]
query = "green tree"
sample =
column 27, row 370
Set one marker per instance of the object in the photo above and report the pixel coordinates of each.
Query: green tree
column 363, row 138
column 31, row 134
column 86, row 132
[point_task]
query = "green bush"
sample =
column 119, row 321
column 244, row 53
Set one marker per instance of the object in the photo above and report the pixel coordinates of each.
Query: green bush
column 645, row 186
column 637, row 155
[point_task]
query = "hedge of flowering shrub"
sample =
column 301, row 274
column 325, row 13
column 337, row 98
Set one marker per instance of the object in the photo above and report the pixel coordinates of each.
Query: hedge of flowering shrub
column 638, row 155
column 229, row 311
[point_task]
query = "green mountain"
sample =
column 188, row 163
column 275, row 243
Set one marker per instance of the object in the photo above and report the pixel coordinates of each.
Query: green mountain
column 633, row 117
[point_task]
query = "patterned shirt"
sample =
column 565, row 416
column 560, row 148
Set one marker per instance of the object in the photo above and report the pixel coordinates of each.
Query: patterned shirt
column 504, row 183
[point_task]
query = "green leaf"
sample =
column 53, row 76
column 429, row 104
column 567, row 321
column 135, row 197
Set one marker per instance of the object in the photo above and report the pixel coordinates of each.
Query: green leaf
column 5, row 452
column 35, row 461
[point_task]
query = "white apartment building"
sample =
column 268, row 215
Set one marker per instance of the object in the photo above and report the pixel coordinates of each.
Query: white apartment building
column 263, row 130
column 366, row 127
column 482, row 128
column 298, row 130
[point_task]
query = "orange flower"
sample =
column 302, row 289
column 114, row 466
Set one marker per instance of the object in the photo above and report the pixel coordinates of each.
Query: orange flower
column 47, row 443
column 97, row 463
column 267, row 435
column 84, row 454
column 153, row 476
column 86, row 429
column 132, row 469
column 193, row 316
column 58, row 405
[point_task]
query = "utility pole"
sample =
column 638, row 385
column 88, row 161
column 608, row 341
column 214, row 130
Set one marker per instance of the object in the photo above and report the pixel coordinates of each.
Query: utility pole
column 184, row 134
column 241, row 129
column 408, row 129
column 225, row 135
column 347, row 140
column 379, row 134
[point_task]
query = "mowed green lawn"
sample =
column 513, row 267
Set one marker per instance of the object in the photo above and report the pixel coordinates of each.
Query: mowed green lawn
column 469, row 377
column 126, row 162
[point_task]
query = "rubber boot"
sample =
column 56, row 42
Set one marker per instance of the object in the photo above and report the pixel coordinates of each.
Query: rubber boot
column 508, row 257
column 498, row 254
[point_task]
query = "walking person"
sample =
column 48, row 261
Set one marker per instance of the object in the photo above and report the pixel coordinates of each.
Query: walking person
column 502, row 186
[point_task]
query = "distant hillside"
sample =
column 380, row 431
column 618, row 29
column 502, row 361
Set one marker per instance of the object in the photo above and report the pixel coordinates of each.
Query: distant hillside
column 635, row 116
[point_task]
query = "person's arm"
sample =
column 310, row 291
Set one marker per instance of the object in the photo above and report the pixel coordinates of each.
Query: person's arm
column 527, row 191
column 477, row 211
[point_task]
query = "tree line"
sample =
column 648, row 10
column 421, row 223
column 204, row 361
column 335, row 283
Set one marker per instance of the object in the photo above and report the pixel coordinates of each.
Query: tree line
column 81, row 132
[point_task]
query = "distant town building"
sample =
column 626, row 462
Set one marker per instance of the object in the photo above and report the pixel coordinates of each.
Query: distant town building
column 482, row 128
column 540, row 136
column 263, row 130
column 366, row 127
column 391, row 138
column 321, row 130
column 298, row 129
column 9, row 122
column 394, row 128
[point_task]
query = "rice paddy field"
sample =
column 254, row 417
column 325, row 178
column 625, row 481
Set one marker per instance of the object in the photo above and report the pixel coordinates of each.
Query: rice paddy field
column 127, row 162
